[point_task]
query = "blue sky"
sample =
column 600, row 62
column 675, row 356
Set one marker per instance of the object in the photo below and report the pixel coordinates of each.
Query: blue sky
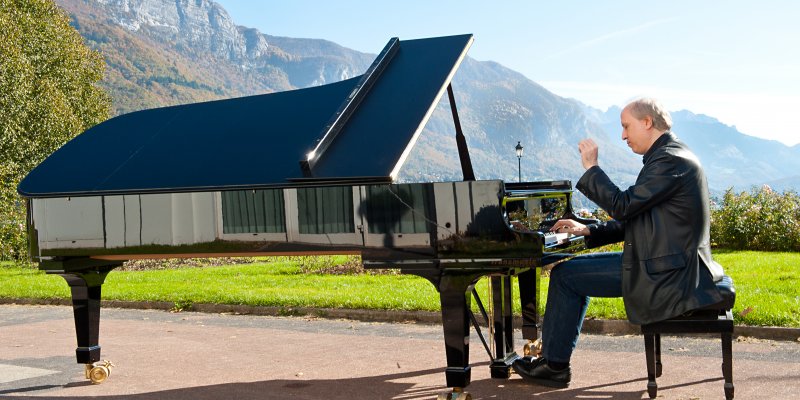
column 737, row 61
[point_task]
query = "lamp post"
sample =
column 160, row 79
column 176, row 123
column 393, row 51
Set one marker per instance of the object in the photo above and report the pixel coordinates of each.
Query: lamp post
column 519, row 160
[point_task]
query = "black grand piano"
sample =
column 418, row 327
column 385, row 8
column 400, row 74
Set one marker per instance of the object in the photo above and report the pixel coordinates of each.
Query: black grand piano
column 288, row 174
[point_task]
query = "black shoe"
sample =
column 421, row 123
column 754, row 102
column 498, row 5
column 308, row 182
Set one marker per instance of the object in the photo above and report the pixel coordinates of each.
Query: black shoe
column 537, row 371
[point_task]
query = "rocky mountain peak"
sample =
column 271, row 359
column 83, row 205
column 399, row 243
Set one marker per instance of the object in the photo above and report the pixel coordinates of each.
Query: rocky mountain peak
column 191, row 24
column 203, row 31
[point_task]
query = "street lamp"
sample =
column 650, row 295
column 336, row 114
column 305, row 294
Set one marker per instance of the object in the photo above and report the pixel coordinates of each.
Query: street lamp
column 519, row 160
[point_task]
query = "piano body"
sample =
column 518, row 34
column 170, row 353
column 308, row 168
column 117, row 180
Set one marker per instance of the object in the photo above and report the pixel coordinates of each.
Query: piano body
column 304, row 172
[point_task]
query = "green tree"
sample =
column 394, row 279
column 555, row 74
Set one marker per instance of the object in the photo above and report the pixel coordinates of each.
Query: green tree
column 48, row 94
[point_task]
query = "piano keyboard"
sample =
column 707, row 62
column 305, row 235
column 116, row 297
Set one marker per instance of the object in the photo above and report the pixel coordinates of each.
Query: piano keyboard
column 554, row 239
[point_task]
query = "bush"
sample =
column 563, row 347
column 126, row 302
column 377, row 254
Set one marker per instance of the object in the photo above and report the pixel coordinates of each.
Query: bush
column 174, row 263
column 334, row 265
column 761, row 219
column 13, row 242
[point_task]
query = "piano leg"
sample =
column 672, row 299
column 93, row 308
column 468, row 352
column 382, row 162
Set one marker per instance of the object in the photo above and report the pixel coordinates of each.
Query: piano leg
column 86, row 309
column 455, row 292
column 85, row 277
column 529, row 300
column 503, row 327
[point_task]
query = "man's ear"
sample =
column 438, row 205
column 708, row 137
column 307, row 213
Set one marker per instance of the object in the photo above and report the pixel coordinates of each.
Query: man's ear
column 648, row 122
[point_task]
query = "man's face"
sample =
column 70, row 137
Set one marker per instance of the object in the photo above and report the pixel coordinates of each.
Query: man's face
column 636, row 131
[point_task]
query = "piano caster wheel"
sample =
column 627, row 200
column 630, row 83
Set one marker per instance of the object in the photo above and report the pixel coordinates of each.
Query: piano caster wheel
column 533, row 349
column 99, row 371
column 456, row 394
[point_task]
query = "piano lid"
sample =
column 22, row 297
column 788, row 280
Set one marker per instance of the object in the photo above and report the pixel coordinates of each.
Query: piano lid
column 262, row 141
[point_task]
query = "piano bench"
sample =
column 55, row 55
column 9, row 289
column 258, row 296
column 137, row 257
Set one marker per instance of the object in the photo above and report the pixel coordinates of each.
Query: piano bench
column 716, row 318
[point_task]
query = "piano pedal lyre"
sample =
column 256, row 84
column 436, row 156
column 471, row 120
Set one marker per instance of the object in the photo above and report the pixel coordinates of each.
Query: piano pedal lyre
column 533, row 348
column 98, row 371
column 456, row 394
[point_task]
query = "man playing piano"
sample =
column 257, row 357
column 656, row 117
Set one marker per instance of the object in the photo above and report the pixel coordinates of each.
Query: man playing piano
column 665, row 268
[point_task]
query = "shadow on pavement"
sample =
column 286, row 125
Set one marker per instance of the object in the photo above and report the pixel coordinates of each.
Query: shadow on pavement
column 391, row 386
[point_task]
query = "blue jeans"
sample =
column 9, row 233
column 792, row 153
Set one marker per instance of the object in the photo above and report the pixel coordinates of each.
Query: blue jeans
column 572, row 283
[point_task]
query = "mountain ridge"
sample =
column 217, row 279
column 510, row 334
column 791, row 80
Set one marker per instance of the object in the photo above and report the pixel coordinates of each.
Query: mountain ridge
column 164, row 53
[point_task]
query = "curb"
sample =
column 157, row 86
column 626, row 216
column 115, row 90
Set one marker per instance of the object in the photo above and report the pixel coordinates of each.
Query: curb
column 595, row 326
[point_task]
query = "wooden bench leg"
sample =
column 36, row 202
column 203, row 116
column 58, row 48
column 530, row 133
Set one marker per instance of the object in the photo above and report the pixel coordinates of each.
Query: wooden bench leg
column 658, row 354
column 727, row 363
column 650, row 356
column 707, row 321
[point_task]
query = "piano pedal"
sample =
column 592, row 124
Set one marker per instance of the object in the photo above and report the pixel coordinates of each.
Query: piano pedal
column 456, row 394
column 532, row 348
column 98, row 371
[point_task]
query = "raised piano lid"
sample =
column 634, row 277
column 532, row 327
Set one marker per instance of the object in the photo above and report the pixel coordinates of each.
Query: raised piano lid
column 258, row 141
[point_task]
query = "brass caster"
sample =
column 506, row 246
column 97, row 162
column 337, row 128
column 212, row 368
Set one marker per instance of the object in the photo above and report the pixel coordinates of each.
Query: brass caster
column 456, row 394
column 98, row 371
column 533, row 348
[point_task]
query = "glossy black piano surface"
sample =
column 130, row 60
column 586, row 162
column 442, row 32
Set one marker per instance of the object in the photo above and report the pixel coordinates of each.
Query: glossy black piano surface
column 275, row 175
column 259, row 141
column 451, row 233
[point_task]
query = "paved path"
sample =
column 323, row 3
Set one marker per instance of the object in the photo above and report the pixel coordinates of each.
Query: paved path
column 161, row 355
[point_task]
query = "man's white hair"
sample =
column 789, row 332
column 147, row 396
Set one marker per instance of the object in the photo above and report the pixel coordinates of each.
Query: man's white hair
column 646, row 106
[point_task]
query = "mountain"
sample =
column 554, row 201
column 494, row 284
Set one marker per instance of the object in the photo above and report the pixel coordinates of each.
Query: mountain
column 163, row 53
column 500, row 107
column 733, row 158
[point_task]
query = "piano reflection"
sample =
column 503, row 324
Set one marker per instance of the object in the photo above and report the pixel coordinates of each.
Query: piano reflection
column 309, row 171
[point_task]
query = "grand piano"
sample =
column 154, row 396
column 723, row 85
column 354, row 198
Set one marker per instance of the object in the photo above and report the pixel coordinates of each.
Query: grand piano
column 309, row 171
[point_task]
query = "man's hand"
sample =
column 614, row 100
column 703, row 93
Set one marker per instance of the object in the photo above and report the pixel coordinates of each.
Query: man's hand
column 570, row 226
column 588, row 149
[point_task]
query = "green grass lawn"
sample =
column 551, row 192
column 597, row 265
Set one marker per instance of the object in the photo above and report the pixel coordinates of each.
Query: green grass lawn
column 767, row 287
column 276, row 283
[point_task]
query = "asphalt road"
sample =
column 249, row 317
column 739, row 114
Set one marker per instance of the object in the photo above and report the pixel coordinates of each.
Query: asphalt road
column 162, row 355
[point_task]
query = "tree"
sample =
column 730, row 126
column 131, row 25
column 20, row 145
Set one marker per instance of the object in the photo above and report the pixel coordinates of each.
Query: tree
column 48, row 94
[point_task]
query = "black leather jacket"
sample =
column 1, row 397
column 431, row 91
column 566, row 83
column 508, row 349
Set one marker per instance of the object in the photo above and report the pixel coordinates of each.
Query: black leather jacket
column 664, row 220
